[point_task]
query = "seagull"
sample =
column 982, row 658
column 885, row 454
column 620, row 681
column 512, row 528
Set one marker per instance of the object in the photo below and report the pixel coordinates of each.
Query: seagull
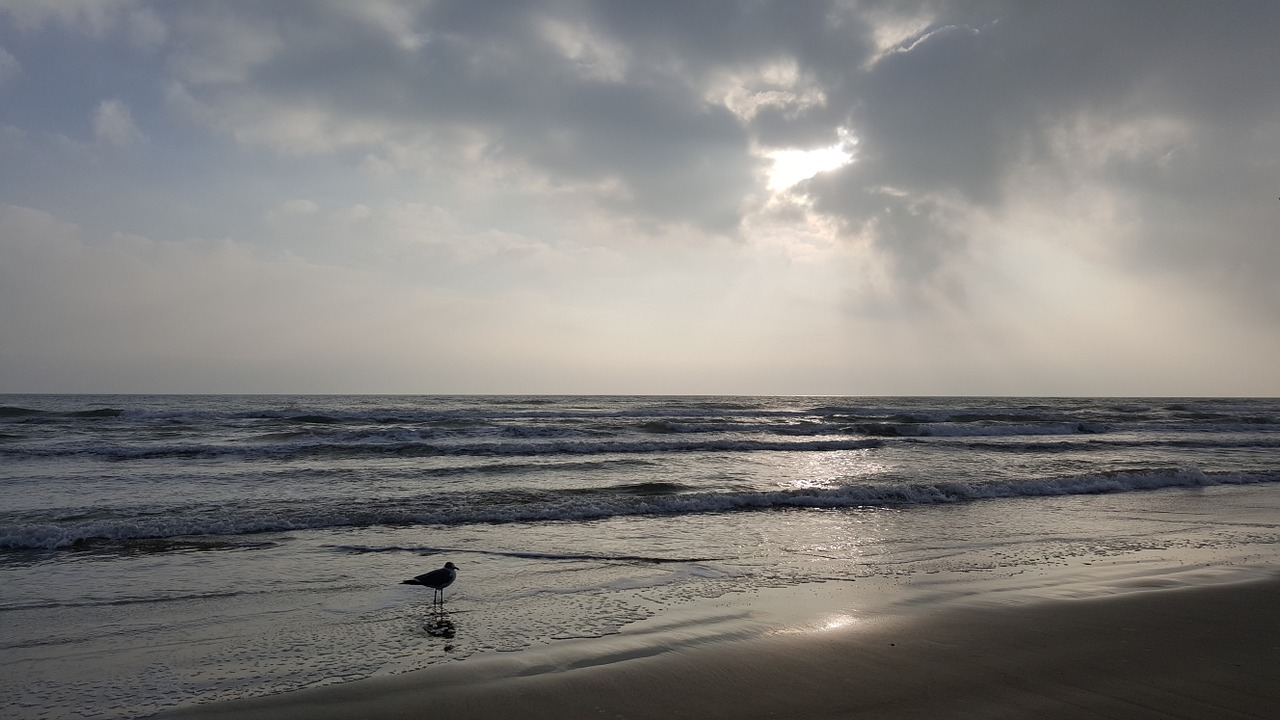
column 437, row 580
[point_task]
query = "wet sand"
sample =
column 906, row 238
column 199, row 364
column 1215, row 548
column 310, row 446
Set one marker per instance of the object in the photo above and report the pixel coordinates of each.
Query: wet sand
column 1204, row 652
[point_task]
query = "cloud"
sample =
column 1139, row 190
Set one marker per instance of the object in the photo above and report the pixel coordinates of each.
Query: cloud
column 92, row 17
column 9, row 67
column 97, row 19
column 292, row 208
column 113, row 124
column 908, row 191
column 536, row 93
column 1131, row 98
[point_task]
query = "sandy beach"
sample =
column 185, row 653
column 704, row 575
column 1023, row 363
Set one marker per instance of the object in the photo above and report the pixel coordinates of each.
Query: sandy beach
column 1198, row 652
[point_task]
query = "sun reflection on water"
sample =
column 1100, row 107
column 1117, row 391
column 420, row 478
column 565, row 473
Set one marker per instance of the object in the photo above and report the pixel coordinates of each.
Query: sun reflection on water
column 832, row 469
column 838, row 622
column 822, row 624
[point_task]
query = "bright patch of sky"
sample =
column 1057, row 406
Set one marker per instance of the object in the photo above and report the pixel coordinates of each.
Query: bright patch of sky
column 794, row 166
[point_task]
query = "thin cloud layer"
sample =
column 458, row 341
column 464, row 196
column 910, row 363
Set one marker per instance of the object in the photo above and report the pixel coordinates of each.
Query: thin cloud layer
column 572, row 196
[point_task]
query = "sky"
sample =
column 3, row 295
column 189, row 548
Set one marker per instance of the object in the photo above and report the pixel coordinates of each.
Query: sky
column 1068, row 197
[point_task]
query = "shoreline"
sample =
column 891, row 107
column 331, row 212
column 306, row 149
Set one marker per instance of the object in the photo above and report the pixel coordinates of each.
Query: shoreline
column 1210, row 651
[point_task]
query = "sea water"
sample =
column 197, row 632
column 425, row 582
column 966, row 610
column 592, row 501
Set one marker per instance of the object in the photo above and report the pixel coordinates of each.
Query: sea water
column 163, row 550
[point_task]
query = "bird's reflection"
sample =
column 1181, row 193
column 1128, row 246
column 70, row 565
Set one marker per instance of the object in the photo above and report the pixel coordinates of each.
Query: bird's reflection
column 439, row 625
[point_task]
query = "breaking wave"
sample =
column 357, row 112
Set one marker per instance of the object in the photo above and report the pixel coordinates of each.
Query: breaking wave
column 575, row 505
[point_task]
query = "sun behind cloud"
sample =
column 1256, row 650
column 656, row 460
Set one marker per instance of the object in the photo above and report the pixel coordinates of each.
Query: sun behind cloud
column 793, row 166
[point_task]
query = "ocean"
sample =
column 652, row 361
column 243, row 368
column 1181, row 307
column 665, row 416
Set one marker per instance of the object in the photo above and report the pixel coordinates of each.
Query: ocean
column 157, row 551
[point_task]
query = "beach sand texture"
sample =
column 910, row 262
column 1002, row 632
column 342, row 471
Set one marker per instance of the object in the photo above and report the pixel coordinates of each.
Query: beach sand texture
column 1200, row 652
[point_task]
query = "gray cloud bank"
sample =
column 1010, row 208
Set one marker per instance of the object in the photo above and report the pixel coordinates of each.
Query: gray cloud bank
column 1141, row 136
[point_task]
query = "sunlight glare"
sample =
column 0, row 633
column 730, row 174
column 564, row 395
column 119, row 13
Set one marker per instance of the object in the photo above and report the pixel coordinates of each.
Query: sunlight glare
column 837, row 622
column 794, row 166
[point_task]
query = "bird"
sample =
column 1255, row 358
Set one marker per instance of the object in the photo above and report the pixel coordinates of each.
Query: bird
column 438, row 580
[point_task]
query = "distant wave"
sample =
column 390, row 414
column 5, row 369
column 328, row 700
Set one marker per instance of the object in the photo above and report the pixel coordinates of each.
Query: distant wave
column 322, row 441
column 10, row 411
column 1208, row 443
column 140, row 429
column 899, row 429
column 388, row 445
column 660, row 413
column 586, row 504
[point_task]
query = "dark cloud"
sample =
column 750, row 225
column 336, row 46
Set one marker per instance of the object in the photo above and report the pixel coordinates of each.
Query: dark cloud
column 952, row 110
column 984, row 91
column 665, row 152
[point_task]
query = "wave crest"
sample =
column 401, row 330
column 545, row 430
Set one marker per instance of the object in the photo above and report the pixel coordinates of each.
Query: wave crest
column 576, row 505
